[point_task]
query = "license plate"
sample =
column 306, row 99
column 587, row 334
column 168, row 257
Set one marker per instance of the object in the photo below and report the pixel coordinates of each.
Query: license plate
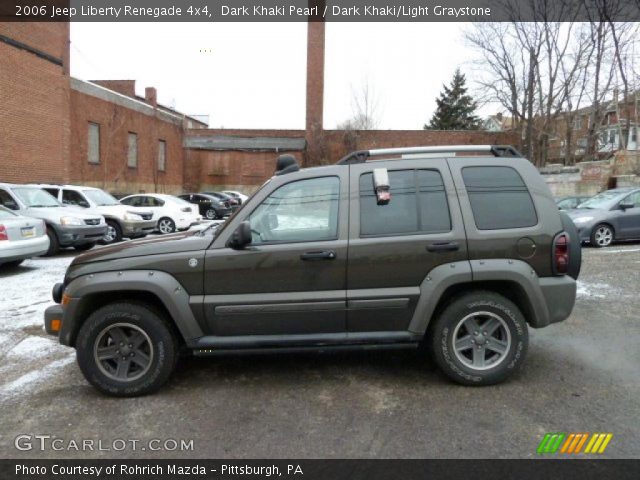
column 28, row 232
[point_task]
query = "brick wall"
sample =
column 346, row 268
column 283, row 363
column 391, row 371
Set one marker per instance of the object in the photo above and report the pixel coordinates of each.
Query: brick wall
column 116, row 121
column 34, row 104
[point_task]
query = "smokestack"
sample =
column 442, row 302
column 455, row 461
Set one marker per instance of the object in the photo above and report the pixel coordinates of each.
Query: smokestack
column 315, row 71
column 151, row 96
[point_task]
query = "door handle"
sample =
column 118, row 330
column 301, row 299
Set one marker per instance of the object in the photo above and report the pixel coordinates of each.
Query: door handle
column 319, row 255
column 443, row 247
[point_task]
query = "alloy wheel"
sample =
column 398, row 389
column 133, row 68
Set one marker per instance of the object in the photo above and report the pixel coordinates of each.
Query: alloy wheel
column 604, row 236
column 123, row 352
column 481, row 340
column 110, row 236
column 165, row 226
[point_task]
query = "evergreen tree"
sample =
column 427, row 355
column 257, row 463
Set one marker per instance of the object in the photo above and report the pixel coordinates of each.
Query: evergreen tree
column 455, row 109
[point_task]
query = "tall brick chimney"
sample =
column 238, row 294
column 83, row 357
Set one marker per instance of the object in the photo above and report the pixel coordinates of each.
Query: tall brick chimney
column 315, row 75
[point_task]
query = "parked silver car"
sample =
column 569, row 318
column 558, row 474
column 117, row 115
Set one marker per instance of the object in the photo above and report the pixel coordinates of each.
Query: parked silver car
column 66, row 227
column 611, row 215
column 122, row 221
column 20, row 238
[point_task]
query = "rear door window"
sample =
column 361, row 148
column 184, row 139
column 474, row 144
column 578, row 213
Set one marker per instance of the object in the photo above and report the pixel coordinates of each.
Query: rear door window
column 499, row 198
column 418, row 205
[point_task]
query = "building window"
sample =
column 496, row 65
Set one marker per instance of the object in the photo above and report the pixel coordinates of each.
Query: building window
column 132, row 153
column 93, row 143
column 162, row 156
column 577, row 123
column 634, row 134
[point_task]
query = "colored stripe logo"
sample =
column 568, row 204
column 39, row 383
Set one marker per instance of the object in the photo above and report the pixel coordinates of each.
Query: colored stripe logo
column 573, row 443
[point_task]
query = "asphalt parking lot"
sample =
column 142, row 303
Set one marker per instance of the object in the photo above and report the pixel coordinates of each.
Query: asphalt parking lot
column 580, row 376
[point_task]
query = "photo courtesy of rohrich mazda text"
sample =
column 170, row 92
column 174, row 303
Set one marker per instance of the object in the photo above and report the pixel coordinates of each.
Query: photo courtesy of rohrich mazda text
column 319, row 239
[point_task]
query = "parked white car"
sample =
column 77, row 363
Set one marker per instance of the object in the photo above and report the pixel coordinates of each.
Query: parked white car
column 122, row 221
column 240, row 196
column 21, row 238
column 170, row 213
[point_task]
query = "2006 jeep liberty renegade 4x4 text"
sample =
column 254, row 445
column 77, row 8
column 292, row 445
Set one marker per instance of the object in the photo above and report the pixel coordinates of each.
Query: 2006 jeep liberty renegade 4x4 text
column 456, row 248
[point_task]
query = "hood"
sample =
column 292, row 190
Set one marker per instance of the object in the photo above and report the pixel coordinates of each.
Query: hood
column 585, row 212
column 177, row 242
column 54, row 213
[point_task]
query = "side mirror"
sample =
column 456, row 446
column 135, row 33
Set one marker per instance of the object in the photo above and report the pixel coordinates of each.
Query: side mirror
column 241, row 237
column 625, row 205
column 381, row 186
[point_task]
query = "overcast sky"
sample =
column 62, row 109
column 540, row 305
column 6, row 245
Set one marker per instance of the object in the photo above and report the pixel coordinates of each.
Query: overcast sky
column 252, row 75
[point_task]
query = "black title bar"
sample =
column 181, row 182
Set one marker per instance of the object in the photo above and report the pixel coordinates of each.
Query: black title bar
column 318, row 10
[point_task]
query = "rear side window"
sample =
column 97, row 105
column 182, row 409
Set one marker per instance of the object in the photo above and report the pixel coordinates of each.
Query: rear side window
column 499, row 198
column 418, row 205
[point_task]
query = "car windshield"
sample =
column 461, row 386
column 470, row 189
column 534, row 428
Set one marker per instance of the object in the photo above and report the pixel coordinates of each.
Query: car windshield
column 35, row 197
column 101, row 198
column 602, row 200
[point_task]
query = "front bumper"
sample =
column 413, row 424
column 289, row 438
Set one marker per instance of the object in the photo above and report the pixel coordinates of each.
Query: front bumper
column 78, row 235
column 133, row 229
column 18, row 250
column 52, row 315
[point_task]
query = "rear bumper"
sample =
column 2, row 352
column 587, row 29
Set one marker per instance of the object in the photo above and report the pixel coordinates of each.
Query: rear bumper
column 69, row 236
column 18, row 250
column 132, row 229
column 560, row 296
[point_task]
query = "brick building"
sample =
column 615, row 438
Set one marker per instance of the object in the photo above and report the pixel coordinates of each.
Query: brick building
column 56, row 128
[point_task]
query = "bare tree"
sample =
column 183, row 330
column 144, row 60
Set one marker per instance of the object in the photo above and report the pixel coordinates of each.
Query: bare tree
column 365, row 108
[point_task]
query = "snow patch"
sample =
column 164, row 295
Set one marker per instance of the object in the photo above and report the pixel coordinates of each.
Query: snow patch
column 593, row 290
column 33, row 347
column 22, row 385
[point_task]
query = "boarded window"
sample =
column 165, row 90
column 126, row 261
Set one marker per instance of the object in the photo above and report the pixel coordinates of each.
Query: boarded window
column 132, row 155
column 93, row 143
column 162, row 156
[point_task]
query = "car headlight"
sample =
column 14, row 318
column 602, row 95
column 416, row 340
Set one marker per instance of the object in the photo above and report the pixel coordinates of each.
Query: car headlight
column 71, row 221
column 582, row 219
column 132, row 216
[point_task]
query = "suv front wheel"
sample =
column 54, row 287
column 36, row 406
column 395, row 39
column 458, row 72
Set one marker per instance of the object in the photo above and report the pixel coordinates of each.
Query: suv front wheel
column 480, row 338
column 126, row 349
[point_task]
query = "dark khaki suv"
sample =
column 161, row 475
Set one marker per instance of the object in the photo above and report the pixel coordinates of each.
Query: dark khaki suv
column 457, row 248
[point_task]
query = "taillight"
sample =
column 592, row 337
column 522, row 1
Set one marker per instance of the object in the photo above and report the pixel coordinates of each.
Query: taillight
column 561, row 254
column 3, row 233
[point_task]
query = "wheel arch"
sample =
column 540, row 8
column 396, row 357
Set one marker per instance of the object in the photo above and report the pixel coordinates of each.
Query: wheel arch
column 157, row 289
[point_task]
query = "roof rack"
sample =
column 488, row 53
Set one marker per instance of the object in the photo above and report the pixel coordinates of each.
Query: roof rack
column 361, row 156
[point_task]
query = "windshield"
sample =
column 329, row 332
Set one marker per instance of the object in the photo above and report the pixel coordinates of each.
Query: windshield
column 35, row 197
column 100, row 198
column 602, row 200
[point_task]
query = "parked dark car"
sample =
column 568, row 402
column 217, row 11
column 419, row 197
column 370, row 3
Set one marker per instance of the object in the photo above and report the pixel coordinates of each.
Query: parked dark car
column 569, row 203
column 210, row 207
column 461, row 255
column 234, row 203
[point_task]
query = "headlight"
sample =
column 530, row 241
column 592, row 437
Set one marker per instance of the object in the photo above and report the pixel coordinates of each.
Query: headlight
column 582, row 219
column 71, row 221
column 132, row 216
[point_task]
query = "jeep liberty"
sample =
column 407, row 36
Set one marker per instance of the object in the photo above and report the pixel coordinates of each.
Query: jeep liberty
column 459, row 249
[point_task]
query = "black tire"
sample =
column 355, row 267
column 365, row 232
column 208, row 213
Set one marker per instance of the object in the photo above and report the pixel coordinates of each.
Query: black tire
column 513, row 336
column 84, row 247
column 116, row 233
column 12, row 264
column 599, row 237
column 210, row 214
column 54, row 244
column 170, row 225
column 128, row 317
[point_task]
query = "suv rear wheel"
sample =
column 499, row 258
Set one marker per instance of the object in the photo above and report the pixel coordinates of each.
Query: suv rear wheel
column 126, row 349
column 480, row 338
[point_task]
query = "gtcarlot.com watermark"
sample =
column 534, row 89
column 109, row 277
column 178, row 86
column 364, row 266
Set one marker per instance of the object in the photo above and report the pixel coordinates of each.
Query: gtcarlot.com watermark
column 42, row 443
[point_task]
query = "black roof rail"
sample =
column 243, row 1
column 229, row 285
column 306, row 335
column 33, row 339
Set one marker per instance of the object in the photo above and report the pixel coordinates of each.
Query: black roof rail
column 361, row 156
